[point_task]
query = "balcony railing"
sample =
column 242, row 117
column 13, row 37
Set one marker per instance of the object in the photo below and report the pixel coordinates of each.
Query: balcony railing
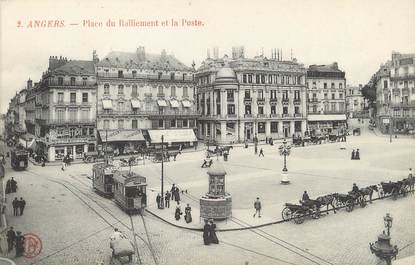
column 285, row 101
column 230, row 99
column 274, row 115
column 261, row 115
column 231, row 116
column 297, row 101
column 69, row 121
column 247, row 99
column 286, row 115
column 248, row 115
column 298, row 115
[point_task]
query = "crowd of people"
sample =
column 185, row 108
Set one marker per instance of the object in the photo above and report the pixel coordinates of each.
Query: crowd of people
column 15, row 240
column 209, row 233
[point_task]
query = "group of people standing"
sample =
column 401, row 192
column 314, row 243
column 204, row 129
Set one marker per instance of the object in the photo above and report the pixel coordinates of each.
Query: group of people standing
column 18, row 206
column 66, row 162
column 209, row 233
column 187, row 213
column 15, row 240
column 356, row 154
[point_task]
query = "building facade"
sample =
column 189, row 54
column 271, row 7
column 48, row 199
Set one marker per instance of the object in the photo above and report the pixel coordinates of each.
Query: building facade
column 326, row 98
column 355, row 102
column 240, row 98
column 140, row 94
column 395, row 94
column 65, row 108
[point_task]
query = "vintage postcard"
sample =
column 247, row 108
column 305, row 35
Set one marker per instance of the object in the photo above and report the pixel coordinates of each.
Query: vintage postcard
column 186, row 132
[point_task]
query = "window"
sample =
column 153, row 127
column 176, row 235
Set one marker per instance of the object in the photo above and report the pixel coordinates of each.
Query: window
column 85, row 114
column 325, row 85
column 282, row 80
column 73, row 114
column 120, row 124
column 273, row 94
column 385, row 84
column 185, row 93
column 244, row 78
column 247, row 94
column 120, row 74
column 314, row 108
column 106, row 72
column 159, row 75
column 73, row 98
column 173, row 91
column 332, row 85
column 192, row 123
column 257, row 79
column 325, row 96
column 229, row 95
column 134, row 124
column 72, row 81
column 185, row 123
column 231, row 109
column 60, row 113
column 161, row 124
column 106, row 89
column 341, row 85
column 261, row 127
column 333, row 96
column 120, row 106
column 120, row 89
column 285, row 95
column 247, row 109
column 333, row 106
column 341, row 95
column 84, row 97
column 260, row 94
column 262, row 79
column 84, row 79
column 274, row 127
column 297, row 110
column 250, row 79
column 134, row 92
column 273, row 109
column 184, row 77
column 297, row 95
column 285, row 110
column 171, row 76
column 173, row 123
column 160, row 90
column 134, row 73
column 60, row 81
column 260, row 109
column 60, row 97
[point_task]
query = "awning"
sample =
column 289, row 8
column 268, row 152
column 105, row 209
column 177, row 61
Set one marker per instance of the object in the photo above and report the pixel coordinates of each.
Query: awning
column 135, row 104
column 336, row 117
column 107, row 104
column 186, row 103
column 174, row 103
column 172, row 135
column 162, row 103
column 121, row 136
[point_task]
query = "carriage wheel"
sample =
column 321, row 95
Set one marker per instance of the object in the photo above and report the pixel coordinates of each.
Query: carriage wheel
column 316, row 213
column 338, row 204
column 286, row 214
column 349, row 206
column 298, row 218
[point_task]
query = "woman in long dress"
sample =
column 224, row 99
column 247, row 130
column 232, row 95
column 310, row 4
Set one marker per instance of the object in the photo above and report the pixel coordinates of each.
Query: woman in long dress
column 177, row 213
column 188, row 214
column 212, row 235
column 206, row 233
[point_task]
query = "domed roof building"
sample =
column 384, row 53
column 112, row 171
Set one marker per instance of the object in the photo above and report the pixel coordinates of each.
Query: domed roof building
column 225, row 75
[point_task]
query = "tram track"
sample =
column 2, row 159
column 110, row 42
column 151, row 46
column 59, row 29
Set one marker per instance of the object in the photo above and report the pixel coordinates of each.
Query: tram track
column 66, row 185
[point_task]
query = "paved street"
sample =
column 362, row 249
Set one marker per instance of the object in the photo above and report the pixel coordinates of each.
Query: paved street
column 74, row 223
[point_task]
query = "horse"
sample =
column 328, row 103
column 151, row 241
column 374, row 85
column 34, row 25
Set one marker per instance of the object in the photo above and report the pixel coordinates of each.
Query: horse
column 327, row 200
column 409, row 182
column 312, row 204
column 368, row 191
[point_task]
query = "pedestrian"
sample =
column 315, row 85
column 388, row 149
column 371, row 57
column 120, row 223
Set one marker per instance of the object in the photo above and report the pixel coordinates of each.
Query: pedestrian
column 19, row 244
column 256, row 149
column 355, row 189
column 158, row 198
column 8, row 187
column 15, row 204
column 353, row 155
column 261, row 152
column 63, row 165
column 246, row 143
column 11, row 238
column 177, row 213
column 212, row 233
column 22, row 205
column 305, row 196
column 188, row 214
column 13, row 185
column 177, row 196
column 357, row 155
column 257, row 206
column 206, row 232
column 167, row 199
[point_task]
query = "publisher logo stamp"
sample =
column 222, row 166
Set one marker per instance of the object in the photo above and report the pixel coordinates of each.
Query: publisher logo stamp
column 32, row 245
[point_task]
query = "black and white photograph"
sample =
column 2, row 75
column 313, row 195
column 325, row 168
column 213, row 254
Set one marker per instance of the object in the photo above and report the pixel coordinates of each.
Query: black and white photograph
column 191, row 132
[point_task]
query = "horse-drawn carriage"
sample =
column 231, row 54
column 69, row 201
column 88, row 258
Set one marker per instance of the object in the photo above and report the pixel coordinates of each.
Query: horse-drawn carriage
column 394, row 189
column 349, row 200
column 219, row 150
column 298, row 212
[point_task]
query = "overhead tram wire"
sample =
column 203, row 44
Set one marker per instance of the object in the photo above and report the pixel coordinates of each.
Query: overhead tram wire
column 284, row 241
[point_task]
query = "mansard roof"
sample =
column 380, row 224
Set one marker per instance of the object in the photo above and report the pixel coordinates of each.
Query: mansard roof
column 76, row 67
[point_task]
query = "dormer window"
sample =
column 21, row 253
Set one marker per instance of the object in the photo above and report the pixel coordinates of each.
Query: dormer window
column 72, row 81
column 120, row 74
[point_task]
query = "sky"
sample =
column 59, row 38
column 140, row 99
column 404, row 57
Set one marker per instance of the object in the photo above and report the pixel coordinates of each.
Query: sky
column 358, row 34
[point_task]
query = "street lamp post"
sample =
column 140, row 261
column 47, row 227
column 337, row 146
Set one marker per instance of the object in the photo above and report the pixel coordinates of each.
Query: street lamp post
column 162, row 173
column 383, row 248
column 285, row 151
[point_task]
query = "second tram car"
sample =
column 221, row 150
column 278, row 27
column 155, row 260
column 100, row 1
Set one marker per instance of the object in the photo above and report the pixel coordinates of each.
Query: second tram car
column 130, row 191
column 102, row 179
column 19, row 159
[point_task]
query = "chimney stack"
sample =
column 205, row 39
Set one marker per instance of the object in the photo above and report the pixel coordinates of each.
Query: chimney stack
column 29, row 84
column 215, row 53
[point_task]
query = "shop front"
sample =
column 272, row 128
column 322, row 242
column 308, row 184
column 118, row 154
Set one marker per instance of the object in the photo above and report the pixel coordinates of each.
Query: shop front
column 326, row 124
column 122, row 142
column 185, row 137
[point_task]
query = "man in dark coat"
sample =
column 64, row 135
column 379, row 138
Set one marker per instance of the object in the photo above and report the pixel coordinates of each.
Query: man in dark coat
column 177, row 213
column 167, row 199
column 357, row 155
column 212, row 233
column 355, row 189
column 8, row 187
column 13, row 185
column 11, row 238
column 15, row 204
column 305, row 196
column 206, row 233
column 188, row 214
column 353, row 154
column 19, row 244
column 261, row 152
column 22, row 205
column 158, row 198
column 177, row 196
